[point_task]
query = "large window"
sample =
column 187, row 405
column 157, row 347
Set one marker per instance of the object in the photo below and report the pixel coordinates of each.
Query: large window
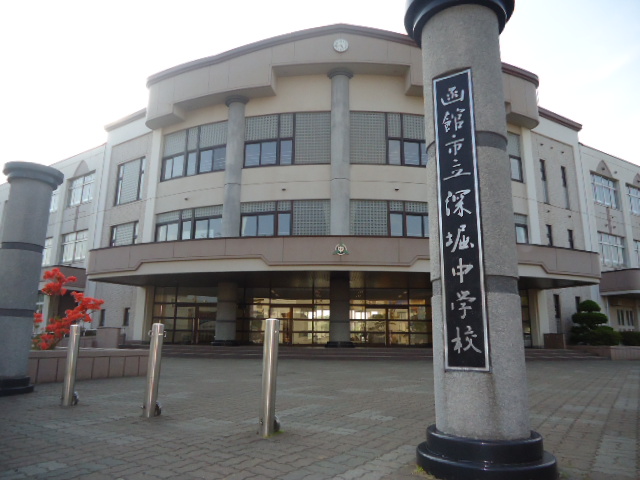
column 634, row 199
column 130, row 178
column 74, row 246
column 522, row 228
column 605, row 190
column 203, row 222
column 515, row 157
column 389, row 218
column 53, row 207
column 194, row 151
column 387, row 138
column 81, row 190
column 283, row 218
column 611, row 250
column 124, row 234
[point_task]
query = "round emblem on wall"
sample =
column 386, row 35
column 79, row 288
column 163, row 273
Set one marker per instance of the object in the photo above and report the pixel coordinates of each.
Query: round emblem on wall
column 340, row 45
column 341, row 249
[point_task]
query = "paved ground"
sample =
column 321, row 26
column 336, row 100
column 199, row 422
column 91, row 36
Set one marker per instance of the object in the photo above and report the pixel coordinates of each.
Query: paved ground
column 341, row 419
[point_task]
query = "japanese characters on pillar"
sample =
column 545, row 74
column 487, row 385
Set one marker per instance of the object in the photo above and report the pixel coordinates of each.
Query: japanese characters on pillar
column 466, row 344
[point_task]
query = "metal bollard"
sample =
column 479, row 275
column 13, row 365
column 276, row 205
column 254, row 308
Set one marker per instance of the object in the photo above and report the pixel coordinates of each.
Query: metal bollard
column 269, row 423
column 151, row 407
column 69, row 397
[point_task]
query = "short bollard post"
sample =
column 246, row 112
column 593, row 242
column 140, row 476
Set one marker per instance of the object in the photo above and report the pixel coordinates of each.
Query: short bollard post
column 151, row 407
column 269, row 423
column 69, row 397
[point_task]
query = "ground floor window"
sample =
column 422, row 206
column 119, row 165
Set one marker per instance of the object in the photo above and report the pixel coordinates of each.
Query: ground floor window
column 188, row 314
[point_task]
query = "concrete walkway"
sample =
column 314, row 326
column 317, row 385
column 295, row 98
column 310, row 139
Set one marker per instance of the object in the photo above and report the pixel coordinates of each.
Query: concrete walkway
column 341, row 419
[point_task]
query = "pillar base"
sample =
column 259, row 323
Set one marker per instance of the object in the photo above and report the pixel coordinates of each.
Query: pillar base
column 457, row 458
column 225, row 343
column 15, row 386
column 348, row 344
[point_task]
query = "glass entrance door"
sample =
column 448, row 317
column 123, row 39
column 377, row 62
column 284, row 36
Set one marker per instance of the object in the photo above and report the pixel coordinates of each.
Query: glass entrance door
column 195, row 324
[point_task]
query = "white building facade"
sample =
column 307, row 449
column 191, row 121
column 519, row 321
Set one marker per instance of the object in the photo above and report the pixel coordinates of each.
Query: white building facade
column 286, row 179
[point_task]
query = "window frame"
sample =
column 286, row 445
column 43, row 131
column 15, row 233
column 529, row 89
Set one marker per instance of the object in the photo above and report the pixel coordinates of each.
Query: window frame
column 120, row 182
column 634, row 199
column 186, row 226
column 278, row 153
column 609, row 247
column 605, row 191
column 522, row 227
column 404, row 217
column 277, row 217
column 78, row 249
column 543, row 180
column 114, row 233
column 84, row 187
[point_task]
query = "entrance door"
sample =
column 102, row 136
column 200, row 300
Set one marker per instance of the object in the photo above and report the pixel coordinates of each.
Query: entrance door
column 204, row 325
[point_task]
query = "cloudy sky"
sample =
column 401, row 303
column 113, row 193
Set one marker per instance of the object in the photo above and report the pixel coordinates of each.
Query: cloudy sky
column 70, row 67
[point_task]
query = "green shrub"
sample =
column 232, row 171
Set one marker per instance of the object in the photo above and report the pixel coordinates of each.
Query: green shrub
column 630, row 338
column 604, row 335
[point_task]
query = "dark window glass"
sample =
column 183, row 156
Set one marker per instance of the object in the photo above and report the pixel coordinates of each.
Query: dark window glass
column 206, row 161
column 286, row 152
column 396, row 224
column 249, row 226
column 516, row 169
column 414, row 226
column 252, row 155
column 269, row 153
column 284, row 224
column 411, row 153
column 192, row 163
column 202, row 228
column 394, row 152
column 215, row 227
column 265, row 225
column 219, row 156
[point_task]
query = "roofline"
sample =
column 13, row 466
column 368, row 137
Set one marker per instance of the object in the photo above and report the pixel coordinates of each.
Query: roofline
column 564, row 121
column 521, row 73
column 279, row 40
column 128, row 119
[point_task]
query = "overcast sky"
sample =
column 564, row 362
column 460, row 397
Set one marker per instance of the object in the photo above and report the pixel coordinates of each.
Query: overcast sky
column 70, row 67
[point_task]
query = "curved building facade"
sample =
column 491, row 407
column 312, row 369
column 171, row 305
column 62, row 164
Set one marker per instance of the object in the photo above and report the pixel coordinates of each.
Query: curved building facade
column 286, row 179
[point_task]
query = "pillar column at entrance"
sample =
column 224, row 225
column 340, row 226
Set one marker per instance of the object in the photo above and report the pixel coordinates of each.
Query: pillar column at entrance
column 340, row 151
column 23, row 234
column 482, row 425
column 233, row 166
column 226, row 314
column 339, row 323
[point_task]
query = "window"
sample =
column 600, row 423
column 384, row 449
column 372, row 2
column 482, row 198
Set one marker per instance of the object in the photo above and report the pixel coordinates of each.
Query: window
column 636, row 249
column 611, row 250
column 550, row 235
column 130, row 178
column 570, row 239
column 578, row 302
column 634, row 199
column 125, row 317
column 81, row 190
column 203, row 222
column 522, row 228
column 47, row 251
column 604, row 191
column 265, row 219
column 195, row 151
column 630, row 318
column 124, row 234
column 513, row 149
column 565, row 186
column 387, row 138
column 103, row 316
column 408, row 219
column 54, row 201
column 626, row 318
column 543, row 179
column 269, row 140
column 74, row 246
column 556, row 306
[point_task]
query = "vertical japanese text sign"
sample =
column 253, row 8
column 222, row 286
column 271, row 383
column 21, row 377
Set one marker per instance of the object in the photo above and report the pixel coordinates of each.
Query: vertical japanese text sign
column 466, row 344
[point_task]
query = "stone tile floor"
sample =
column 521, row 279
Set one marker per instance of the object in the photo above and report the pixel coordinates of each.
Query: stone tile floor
column 341, row 419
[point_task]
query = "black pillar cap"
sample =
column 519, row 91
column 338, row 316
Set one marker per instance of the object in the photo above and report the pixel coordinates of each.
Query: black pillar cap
column 418, row 12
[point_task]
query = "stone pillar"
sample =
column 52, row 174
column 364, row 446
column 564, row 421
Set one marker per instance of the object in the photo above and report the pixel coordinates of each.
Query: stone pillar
column 482, row 414
column 233, row 166
column 339, row 323
column 24, row 230
column 226, row 315
column 340, row 151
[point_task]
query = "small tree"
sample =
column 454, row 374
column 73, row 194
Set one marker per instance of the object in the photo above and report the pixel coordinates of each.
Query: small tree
column 58, row 327
column 589, row 328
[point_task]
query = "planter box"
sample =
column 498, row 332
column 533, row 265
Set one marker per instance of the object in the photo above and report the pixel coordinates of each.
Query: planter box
column 49, row 366
column 612, row 353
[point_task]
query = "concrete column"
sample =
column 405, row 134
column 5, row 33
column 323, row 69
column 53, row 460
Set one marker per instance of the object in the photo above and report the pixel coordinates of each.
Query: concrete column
column 339, row 324
column 25, row 227
column 482, row 417
column 340, row 151
column 233, row 166
column 226, row 315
